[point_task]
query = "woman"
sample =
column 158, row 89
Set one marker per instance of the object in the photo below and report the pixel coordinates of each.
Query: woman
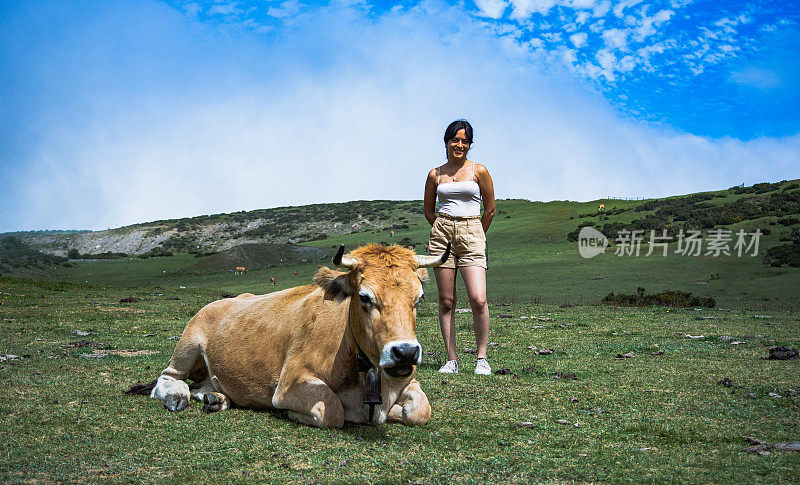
column 460, row 185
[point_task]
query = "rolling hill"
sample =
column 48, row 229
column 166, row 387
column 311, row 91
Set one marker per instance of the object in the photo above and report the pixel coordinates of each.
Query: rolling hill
column 532, row 249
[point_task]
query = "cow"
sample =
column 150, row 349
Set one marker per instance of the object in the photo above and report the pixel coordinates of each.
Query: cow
column 240, row 270
column 272, row 281
column 341, row 349
column 601, row 208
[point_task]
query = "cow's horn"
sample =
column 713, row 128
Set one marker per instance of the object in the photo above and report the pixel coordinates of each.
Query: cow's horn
column 433, row 261
column 339, row 259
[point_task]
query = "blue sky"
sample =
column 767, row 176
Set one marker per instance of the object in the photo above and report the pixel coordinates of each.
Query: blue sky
column 116, row 112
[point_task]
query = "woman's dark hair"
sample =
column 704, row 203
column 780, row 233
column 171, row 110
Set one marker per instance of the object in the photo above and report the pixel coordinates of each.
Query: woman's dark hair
column 453, row 128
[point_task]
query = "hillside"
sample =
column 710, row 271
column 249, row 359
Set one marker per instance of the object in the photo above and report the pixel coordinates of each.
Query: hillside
column 532, row 249
column 218, row 232
column 774, row 204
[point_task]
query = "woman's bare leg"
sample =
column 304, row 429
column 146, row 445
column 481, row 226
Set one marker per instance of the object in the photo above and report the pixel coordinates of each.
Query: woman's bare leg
column 475, row 281
column 446, row 284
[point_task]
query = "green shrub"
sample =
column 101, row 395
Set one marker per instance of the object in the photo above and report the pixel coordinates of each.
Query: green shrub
column 671, row 298
column 788, row 221
column 788, row 254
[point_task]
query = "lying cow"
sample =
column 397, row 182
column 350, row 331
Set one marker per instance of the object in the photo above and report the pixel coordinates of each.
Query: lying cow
column 299, row 349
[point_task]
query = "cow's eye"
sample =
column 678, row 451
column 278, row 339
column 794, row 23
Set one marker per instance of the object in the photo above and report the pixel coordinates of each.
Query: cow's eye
column 365, row 300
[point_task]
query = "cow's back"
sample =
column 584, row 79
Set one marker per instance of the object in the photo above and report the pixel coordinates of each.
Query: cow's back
column 248, row 339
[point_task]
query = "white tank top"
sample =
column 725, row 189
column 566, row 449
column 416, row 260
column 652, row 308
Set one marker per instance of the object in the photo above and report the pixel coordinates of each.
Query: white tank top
column 459, row 199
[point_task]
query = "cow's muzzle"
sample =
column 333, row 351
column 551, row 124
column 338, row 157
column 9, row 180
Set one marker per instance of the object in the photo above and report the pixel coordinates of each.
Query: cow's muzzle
column 398, row 358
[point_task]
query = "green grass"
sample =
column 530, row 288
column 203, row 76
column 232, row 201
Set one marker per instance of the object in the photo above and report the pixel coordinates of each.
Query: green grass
column 64, row 418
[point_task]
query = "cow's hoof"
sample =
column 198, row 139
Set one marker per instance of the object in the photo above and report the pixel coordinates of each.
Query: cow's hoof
column 175, row 402
column 212, row 402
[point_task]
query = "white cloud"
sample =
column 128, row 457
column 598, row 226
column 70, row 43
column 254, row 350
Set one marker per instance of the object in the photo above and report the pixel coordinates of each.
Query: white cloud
column 288, row 8
column 649, row 24
column 579, row 39
column 523, row 9
column 616, row 39
column 229, row 8
column 569, row 56
column 626, row 64
column 608, row 63
column 618, row 8
column 582, row 17
column 552, row 37
column 601, row 9
column 581, row 4
column 491, row 8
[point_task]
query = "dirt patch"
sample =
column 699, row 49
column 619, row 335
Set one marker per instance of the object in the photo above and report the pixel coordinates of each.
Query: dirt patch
column 121, row 352
column 83, row 343
column 120, row 309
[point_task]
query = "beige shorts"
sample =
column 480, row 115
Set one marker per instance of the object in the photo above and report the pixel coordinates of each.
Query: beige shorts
column 468, row 241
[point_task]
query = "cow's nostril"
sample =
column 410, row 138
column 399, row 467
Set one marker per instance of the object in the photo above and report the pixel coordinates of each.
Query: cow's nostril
column 397, row 353
column 405, row 353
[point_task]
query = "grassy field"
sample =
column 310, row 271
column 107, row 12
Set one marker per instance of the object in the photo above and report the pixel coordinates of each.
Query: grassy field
column 578, row 414
column 660, row 416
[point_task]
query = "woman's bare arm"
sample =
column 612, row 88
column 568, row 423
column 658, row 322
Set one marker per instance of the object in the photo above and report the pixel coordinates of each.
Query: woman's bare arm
column 487, row 194
column 429, row 202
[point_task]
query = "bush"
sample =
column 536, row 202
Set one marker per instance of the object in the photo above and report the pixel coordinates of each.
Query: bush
column 670, row 298
column 155, row 253
column 788, row 254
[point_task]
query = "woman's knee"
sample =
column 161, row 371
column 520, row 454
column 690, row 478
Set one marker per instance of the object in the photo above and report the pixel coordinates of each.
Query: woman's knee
column 477, row 303
column 446, row 304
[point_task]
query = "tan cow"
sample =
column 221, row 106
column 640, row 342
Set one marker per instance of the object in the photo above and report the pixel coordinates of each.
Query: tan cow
column 272, row 281
column 298, row 349
column 240, row 270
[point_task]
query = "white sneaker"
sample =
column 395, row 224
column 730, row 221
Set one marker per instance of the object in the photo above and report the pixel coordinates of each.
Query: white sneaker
column 482, row 368
column 451, row 367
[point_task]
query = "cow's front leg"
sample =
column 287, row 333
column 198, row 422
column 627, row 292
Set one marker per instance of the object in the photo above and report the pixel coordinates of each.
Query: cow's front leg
column 310, row 401
column 411, row 407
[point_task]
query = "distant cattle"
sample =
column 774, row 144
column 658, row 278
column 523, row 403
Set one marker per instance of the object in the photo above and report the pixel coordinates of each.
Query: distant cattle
column 240, row 270
column 601, row 208
column 341, row 349
column 296, row 273
column 391, row 233
column 272, row 281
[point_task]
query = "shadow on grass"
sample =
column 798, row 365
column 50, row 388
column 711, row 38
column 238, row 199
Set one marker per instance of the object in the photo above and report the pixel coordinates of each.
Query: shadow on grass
column 368, row 432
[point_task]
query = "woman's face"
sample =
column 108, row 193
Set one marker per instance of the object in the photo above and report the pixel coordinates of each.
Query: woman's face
column 458, row 146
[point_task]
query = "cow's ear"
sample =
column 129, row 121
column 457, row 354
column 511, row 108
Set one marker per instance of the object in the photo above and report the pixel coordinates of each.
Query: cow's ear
column 335, row 283
column 422, row 274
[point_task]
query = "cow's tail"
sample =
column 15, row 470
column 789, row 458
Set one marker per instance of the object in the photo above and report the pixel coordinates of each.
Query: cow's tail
column 141, row 389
